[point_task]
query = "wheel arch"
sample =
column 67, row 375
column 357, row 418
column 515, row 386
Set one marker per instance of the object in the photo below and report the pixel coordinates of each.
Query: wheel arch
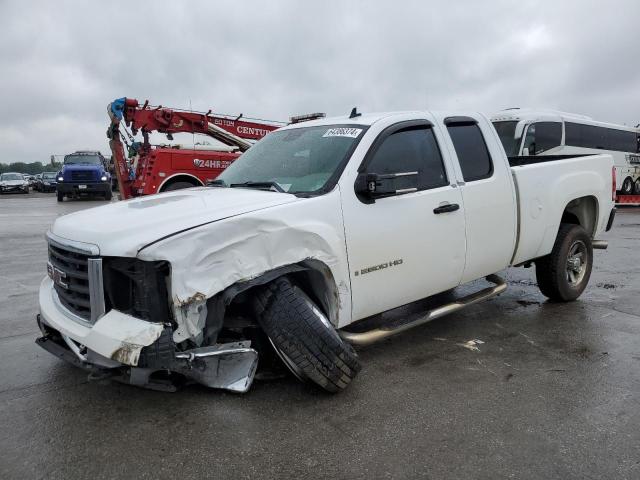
column 583, row 211
column 313, row 276
column 180, row 177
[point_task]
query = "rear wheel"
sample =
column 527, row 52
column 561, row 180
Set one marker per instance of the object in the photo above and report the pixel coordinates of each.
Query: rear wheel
column 60, row 196
column 564, row 273
column 177, row 186
column 304, row 338
column 636, row 186
column 627, row 186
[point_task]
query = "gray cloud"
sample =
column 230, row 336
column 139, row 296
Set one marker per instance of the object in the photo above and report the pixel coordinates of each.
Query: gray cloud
column 62, row 62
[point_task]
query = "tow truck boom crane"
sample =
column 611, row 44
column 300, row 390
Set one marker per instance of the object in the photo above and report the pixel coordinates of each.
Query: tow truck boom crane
column 154, row 166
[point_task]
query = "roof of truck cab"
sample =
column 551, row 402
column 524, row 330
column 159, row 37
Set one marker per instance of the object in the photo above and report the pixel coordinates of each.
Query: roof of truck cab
column 368, row 119
column 365, row 119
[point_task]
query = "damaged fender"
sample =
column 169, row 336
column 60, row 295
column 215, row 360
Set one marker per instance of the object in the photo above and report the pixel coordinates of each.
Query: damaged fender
column 207, row 259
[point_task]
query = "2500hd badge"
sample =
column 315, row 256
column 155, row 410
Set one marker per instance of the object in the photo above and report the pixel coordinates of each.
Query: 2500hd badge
column 382, row 266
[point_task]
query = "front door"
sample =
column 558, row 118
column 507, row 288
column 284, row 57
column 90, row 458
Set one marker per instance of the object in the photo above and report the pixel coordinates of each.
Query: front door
column 404, row 247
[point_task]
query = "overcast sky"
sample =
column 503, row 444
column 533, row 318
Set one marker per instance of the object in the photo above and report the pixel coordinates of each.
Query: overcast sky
column 61, row 63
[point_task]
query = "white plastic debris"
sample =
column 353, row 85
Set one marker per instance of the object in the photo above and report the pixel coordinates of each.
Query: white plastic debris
column 471, row 344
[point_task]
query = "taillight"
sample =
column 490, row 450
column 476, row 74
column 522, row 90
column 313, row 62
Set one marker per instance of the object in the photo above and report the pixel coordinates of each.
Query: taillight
column 613, row 183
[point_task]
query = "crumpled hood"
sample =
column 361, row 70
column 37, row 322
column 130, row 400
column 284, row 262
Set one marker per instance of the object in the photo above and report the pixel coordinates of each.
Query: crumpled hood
column 123, row 228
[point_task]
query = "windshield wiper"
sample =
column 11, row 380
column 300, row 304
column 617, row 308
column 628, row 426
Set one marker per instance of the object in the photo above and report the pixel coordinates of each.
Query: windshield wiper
column 260, row 185
column 216, row 183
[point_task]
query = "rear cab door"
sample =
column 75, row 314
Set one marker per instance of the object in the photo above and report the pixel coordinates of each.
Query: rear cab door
column 488, row 193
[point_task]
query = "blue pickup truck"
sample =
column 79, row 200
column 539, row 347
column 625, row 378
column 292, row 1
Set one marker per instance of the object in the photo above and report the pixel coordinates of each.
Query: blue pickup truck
column 85, row 174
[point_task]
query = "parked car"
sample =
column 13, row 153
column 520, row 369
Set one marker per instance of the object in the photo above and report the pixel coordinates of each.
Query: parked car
column 317, row 226
column 31, row 179
column 12, row 182
column 36, row 181
column 84, row 173
column 46, row 182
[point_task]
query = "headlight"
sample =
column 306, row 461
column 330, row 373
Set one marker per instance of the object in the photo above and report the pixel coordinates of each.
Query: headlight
column 60, row 179
column 103, row 178
column 46, row 183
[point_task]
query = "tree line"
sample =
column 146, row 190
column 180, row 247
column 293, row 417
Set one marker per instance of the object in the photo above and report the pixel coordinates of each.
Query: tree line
column 30, row 168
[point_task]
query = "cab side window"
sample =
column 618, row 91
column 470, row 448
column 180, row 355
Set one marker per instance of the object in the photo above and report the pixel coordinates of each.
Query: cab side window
column 471, row 150
column 413, row 149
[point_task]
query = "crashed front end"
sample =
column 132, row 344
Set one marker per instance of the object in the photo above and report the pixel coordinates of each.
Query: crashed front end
column 111, row 316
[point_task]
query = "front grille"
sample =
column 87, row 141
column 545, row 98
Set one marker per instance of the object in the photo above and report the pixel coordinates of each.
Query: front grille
column 77, row 280
column 82, row 176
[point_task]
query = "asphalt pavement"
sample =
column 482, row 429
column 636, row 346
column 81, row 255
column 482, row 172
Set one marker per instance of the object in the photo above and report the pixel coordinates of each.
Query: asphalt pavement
column 515, row 387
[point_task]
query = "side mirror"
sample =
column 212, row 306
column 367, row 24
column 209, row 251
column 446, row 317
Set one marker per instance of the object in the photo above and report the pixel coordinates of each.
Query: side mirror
column 374, row 185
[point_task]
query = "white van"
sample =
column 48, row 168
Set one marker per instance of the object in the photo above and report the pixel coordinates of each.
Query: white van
column 525, row 132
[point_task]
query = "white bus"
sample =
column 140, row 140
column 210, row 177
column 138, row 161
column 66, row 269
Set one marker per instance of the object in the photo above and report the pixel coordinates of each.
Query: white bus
column 526, row 132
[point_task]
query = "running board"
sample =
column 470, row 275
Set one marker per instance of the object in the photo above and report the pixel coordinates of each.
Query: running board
column 378, row 334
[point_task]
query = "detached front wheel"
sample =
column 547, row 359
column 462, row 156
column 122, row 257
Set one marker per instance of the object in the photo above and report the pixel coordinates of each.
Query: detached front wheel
column 564, row 273
column 304, row 338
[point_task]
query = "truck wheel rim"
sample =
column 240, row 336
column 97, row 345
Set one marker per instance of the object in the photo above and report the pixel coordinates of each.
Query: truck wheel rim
column 576, row 263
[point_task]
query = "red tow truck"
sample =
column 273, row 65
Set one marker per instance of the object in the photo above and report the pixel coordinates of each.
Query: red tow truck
column 146, row 169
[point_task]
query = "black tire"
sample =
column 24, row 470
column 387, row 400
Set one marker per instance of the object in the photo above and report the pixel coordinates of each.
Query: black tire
column 636, row 187
column 557, row 273
column 60, row 196
column 627, row 186
column 108, row 196
column 303, row 337
column 177, row 186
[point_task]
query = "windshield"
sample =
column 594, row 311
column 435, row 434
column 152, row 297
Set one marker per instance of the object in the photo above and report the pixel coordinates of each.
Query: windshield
column 301, row 160
column 12, row 176
column 82, row 159
column 49, row 175
column 507, row 133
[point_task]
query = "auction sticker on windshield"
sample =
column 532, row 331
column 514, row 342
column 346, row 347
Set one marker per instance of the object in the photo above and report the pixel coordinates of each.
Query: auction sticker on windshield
column 343, row 132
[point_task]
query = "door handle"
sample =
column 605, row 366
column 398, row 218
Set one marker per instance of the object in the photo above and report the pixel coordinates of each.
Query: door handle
column 449, row 207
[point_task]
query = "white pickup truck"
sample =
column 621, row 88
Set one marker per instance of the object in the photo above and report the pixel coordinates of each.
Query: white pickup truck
column 319, row 225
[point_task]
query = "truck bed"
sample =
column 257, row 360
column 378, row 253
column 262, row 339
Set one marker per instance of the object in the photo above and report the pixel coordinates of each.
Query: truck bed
column 544, row 186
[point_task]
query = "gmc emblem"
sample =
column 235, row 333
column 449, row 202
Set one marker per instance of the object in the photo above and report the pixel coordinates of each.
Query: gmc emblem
column 57, row 275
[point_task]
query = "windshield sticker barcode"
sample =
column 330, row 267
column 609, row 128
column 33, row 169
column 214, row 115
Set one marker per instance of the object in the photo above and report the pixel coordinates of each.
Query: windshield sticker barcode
column 343, row 132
